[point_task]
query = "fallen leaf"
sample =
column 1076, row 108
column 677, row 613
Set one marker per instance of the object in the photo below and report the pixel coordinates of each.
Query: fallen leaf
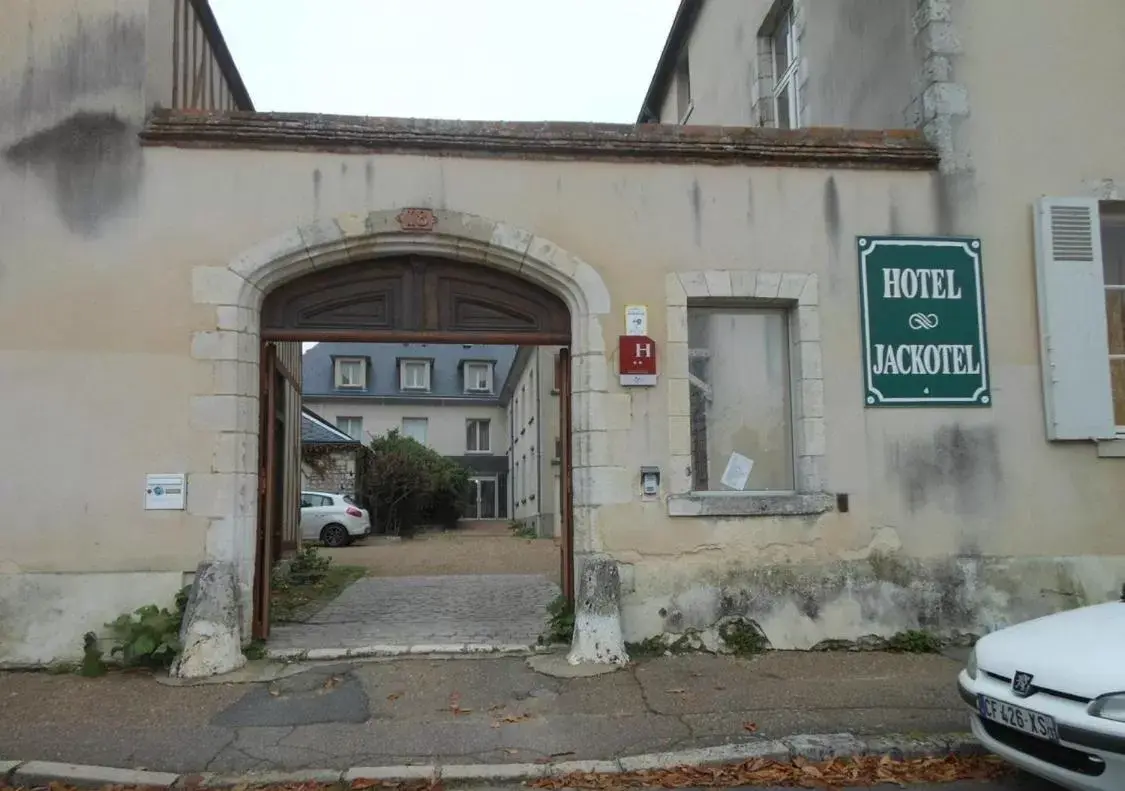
column 837, row 773
column 332, row 682
column 750, row 726
column 394, row 696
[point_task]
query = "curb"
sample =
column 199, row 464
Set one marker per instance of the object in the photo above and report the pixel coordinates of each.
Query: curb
column 381, row 651
column 813, row 747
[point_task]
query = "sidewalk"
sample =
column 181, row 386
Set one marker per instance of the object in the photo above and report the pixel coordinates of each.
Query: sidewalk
column 469, row 711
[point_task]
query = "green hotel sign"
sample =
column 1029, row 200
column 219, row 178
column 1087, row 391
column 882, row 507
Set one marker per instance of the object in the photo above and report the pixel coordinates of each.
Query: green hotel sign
column 922, row 305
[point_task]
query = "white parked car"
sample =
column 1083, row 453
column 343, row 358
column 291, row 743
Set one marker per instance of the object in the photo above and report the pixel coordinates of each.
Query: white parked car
column 1048, row 695
column 334, row 520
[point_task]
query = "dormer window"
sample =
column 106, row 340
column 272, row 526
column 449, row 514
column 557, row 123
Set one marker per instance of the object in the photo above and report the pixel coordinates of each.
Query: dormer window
column 351, row 373
column 478, row 377
column 414, row 375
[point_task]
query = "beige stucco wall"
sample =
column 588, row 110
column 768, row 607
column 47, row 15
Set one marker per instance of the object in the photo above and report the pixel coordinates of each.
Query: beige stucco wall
column 445, row 431
column 927, row 483
column 107, row 341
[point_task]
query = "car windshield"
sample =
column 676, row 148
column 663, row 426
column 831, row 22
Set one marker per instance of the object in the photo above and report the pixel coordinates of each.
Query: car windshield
column 348, row 499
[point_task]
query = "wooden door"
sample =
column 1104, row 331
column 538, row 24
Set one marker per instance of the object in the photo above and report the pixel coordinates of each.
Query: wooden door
column 269, row 472
column 563, row 379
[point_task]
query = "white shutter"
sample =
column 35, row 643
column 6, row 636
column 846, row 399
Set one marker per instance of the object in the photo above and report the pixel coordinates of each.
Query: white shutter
column 1072, row 320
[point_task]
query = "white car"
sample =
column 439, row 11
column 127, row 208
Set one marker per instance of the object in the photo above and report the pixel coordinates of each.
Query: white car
column 334, row 520
column 1048, row 695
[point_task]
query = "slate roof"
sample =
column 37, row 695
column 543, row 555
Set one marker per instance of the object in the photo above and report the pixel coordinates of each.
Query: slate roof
column 446, row 383
column 315, row 430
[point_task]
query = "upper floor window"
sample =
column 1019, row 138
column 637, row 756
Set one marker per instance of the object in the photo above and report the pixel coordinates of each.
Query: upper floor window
column 351, row 372
column 684, row 104
column 785, row 60
column 477, row 435
column 417, row 428
column 414, row 374
column 478, row 377
column 352, row 426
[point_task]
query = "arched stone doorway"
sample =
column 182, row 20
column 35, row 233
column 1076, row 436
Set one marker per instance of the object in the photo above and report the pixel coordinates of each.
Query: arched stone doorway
column 434, row 249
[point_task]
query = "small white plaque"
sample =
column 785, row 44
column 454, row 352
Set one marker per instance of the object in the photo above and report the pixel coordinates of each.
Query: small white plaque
column 638, row 380
column 636, row 320
column 737, row 473
column 165, row 491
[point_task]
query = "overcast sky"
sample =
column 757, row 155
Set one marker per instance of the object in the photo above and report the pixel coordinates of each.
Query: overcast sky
column 516, row 60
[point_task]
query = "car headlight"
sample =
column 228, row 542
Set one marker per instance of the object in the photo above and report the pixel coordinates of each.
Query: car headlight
column 971, row 665
column 1109, row 707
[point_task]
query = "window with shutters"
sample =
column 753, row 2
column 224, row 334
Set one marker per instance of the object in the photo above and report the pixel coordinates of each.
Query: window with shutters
column 1079, row 254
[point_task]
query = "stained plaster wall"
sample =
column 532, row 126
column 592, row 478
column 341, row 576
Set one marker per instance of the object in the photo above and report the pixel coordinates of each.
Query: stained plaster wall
column 945, row 487
column 964, row 489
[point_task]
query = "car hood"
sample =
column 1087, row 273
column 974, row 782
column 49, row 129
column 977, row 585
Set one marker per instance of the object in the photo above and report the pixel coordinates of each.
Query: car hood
column 1079, row 652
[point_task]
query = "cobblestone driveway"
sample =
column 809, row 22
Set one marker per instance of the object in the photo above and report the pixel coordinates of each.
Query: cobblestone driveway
column 501, row 609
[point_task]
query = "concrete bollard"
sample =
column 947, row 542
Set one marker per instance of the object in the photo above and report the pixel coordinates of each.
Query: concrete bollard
column 597, row 619
column 210, row 636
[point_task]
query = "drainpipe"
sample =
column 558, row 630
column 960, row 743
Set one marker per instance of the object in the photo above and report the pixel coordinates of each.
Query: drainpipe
column 511, row 460
column 539, row 440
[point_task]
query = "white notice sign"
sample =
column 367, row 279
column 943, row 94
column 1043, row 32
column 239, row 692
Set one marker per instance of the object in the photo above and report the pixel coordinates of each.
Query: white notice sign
column 737, row 473
column 636, row 320
column 165, row 492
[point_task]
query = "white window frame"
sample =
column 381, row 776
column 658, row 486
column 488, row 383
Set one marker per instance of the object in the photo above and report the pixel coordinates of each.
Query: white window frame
column 786, row 85
column 424, row 422
column 339, row 365
column 1111, row 287
column 473, row 424
column 472, row 372
column 339, row 424
column 404, row 377
column 799, row 291
column 786, row 314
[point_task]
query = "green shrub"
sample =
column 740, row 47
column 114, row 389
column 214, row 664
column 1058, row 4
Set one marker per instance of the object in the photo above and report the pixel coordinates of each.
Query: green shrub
column 522, row 530
column 147, row 637
column 914, row 641
column 407, row 484
column 560, row 622
column 308, row 567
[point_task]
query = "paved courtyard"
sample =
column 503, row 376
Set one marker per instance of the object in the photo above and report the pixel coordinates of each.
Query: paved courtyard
column 479, row 549
column 493, row 609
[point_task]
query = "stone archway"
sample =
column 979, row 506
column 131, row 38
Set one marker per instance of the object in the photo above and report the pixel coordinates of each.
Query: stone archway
column 237, row 291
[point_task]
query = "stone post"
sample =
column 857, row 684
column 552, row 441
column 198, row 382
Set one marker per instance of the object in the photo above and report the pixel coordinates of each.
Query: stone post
column 210, row 636
column 597, row 618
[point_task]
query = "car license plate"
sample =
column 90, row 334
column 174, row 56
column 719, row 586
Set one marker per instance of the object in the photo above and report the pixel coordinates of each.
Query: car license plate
column 1019, row 718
